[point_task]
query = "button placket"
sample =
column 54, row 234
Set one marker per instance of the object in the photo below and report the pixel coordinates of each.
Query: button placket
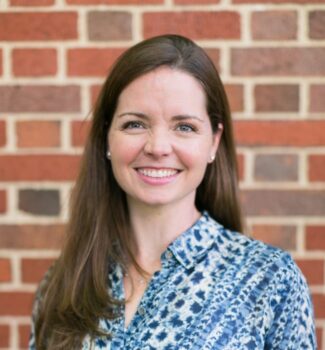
column 141, row 309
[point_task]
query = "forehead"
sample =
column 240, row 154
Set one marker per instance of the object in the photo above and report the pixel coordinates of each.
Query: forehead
column 166, row 84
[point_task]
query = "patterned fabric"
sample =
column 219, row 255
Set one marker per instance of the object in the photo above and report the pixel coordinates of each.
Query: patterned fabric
column 217, row 289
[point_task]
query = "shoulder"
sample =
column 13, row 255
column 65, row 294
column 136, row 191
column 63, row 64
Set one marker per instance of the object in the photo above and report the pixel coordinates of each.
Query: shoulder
column 250, row 256
column 262, row 281
column 272, row 278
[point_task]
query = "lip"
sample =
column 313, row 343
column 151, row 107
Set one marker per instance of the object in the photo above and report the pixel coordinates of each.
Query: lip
column 162, row 175
column 157, row 168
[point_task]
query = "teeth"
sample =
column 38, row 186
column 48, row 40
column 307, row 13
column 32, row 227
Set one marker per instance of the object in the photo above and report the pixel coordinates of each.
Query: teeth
column 157, row 173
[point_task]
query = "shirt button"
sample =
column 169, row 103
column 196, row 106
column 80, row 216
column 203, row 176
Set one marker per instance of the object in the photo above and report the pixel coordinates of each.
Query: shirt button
column 141, row 311
column 169, row 255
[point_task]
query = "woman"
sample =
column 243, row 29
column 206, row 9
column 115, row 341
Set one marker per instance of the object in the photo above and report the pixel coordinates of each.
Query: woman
column 153, row 257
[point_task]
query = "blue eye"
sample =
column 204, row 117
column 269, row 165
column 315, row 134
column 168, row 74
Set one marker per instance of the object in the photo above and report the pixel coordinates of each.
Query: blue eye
column 133, row 125
column 186, row 128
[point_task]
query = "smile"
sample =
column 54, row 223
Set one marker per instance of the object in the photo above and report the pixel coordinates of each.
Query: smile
column 157, row 173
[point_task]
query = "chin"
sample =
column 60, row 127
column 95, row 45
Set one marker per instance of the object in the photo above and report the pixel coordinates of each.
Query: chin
column 152, row 201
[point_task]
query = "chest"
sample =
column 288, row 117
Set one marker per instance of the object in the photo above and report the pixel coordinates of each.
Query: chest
column 190, row 311
column 133, row 292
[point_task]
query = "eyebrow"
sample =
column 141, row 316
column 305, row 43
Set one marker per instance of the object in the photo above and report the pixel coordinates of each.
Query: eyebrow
column 176, row 117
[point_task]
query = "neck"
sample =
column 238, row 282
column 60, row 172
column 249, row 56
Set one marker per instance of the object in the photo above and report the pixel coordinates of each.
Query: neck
column 155, row 227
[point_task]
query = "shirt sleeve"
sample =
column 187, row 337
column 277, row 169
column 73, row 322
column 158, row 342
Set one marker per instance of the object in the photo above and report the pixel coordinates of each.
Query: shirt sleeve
column 293, row 325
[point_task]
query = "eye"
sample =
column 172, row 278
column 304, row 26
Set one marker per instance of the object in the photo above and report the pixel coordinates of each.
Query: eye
column 133, row 125
column 186, row 127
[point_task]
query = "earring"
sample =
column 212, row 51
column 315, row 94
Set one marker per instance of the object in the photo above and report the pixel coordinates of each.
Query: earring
column 212, row 157
column 108, row 155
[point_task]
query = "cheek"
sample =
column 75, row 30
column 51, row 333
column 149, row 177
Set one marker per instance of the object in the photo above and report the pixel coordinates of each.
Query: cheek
column 198, row 149
column 123, row 151
column 194, row 156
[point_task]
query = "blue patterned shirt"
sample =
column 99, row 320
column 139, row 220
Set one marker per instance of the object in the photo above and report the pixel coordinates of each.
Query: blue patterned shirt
column 216, row 290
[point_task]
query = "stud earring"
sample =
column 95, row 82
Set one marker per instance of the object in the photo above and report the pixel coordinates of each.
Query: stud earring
column 212, row 157
column 108, row 155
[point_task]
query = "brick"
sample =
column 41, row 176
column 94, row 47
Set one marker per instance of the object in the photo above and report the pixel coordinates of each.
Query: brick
column 33, row 270
column 306, row 2
column 197, row 25
column 39, row 167
column 313, row 270
column 16, row 303
column 276, row 98
column 319, row 304
column 109, row 25
column 114, row 2
column 235, row 94
column 34, row 62
column 4, row 335
column 214, row 55
column 5, row 270
column 241, row 166
column 36, row 133
column 40, row 98
column 1, row 69
column 315, row 237
column 317, row 100
column 39, row 202
column 274, row 25
column 3, row 200
column 276, row 167
column 94, row 93
column 24, row 333
column 34, row 26
column 2, row 133
column 289, row 61
column 280, row 133
column 283, row 202
column 31, row 236
column 316, row 167
column 317, row 24
column 282, row 236
column 319, row 337
column 91, row 62
column 31, row 2
column 80, row 130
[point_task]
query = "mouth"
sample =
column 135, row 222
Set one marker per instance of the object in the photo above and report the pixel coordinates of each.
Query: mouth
column 158, row 173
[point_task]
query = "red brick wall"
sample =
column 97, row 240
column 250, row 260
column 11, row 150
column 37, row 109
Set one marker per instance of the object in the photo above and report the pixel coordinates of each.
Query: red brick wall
column 54, row 55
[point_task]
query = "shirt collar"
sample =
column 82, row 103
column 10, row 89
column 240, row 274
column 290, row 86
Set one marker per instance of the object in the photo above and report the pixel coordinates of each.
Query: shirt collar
column 195, row 241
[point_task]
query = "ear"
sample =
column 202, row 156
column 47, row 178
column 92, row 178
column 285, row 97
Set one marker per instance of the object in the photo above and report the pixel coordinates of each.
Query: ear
column 215, row 144
column 107, row 141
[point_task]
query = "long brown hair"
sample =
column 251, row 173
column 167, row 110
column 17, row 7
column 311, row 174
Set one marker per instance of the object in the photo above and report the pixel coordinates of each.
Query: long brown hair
column 75, row 296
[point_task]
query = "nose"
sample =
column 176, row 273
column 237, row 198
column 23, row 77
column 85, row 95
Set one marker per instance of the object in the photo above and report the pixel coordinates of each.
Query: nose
column 158, row 144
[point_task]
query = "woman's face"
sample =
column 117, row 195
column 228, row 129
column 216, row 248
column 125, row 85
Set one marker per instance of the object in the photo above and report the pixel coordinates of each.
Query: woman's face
column 161, row 138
